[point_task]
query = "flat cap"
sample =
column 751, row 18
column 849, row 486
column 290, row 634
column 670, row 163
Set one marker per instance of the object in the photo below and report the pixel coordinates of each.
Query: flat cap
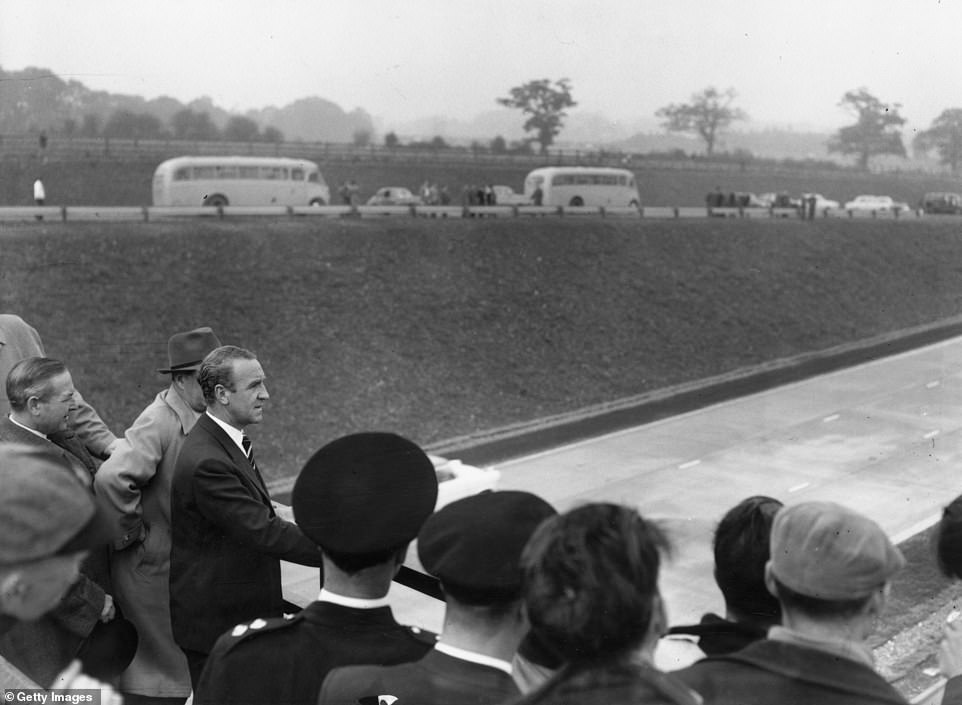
column 948, row 539
column 474, row 545
column 830, row 552
column 44, row 511
column 364, row 493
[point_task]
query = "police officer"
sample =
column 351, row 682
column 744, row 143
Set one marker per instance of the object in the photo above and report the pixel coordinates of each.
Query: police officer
column 362, row 499
column 474, row 547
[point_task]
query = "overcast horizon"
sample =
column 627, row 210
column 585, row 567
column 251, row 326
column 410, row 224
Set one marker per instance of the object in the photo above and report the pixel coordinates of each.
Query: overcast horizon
column 625, row 59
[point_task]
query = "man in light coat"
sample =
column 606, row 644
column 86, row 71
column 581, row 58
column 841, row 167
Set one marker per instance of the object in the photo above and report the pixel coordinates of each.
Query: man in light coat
column 135, row 485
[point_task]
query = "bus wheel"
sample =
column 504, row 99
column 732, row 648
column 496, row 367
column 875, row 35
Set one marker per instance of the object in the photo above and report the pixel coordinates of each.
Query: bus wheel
column 317, row 202
column 216, row 201
column 633, row 204
column 576, row 201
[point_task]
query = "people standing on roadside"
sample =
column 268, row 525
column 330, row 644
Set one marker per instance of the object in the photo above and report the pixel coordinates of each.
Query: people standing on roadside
column 39, row 194
column 227, row 541
column 135, row 485
column 362, row 498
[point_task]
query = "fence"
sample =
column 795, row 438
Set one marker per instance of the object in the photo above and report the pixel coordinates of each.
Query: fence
column 25, row 150
column 147, row 214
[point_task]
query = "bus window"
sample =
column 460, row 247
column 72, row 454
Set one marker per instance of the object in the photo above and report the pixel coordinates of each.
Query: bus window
column 182, row 174
column 297, row 174
column 204, row 172
column 249, row 172
column 227, row 172
column 314, row 177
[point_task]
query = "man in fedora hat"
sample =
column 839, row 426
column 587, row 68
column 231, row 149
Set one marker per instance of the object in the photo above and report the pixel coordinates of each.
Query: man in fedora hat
column 135, row 483
column 362, row 498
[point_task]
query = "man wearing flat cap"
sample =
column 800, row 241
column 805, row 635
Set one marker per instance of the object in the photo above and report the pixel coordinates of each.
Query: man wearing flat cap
column 227, row 540
column 473, row 546
column 135, row 485
column 830, row 569
column 362, row 498
column 46, row 531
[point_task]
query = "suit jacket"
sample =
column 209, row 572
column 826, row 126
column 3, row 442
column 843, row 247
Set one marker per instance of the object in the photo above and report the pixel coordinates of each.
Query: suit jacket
column 284, row 661
column 227, row 542
column 770, row 671
column 134, row 484
column 618, row 683
column 19, row 340
column 437, row 679
column 44, row 647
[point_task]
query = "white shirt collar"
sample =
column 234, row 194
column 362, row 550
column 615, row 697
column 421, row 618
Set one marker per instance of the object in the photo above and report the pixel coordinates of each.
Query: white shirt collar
column 235, row 434
column 473, row 657
column 27, row 428
column 360, row 603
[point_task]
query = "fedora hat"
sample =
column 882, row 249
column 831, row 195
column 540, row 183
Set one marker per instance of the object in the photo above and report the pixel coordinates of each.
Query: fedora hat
column 185, row 351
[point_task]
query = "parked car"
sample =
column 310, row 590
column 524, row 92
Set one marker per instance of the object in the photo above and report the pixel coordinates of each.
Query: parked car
column 778, row 200
column 393, row 196
column 940, row 202
column 821, row 203
column 506, row 196
column 881, row 204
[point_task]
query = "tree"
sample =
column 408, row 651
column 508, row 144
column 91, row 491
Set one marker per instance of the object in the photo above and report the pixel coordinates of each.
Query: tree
column 876, row 129
column 362, row 137
column 498, row 145
column 126, row 124
column 273, row 135
column 944, row 136
column 706, row 115
column 546, row 106
column 241, row 129
column 391, row 140
column 190, row 125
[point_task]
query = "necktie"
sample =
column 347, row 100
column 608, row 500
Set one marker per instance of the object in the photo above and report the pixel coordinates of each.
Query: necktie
column 249, row 452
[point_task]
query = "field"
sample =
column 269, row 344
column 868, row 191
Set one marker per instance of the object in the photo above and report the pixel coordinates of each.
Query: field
column 438, row 329
column 100, row 181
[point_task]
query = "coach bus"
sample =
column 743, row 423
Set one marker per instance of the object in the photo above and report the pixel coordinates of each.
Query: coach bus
column 239, row 181
column 582, row 186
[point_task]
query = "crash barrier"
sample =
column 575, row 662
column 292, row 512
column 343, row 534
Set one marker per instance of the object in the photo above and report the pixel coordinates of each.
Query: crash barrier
column 164, row 213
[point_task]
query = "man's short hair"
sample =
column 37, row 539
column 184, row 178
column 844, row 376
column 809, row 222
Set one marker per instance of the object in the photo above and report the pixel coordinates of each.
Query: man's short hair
column 31, row 378
column 218, row 369
column 742, row 548
column 590, row 580
column 352, row 563
column 817, row 608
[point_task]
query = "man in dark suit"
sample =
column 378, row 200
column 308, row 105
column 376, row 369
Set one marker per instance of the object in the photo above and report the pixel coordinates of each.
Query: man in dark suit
column 41, row 395
column 362, row 498
column 474, row 547
column 227, row 542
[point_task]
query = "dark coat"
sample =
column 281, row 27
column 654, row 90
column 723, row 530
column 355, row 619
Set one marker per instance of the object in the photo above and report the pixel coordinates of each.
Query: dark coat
column 718, row 636
column 285, row 660
column 771, row 671
column 614, row 685
column 227, row 542
column 437, row 679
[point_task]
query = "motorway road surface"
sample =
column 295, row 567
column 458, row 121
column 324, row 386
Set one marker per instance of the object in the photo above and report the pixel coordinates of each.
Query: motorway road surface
column 882, row 437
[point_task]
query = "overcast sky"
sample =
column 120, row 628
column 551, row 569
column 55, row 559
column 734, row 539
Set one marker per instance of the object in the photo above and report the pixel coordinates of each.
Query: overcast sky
column 790, row 62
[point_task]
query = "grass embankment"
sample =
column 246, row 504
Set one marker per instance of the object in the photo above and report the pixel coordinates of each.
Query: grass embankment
column 437, row 329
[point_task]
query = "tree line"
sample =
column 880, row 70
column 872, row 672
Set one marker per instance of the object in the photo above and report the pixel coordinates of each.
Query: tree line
column 185, row 124
column 875, row 132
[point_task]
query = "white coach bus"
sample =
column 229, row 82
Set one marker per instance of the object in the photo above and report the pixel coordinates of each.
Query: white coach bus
column 239, row 181
column 582, row 186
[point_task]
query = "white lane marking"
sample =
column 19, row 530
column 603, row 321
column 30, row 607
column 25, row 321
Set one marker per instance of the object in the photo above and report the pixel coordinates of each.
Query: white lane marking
column 833, row 417
column 932, row 385
column 689, row 464
column 796, row 488
column 931, row 434
column 917, row 528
